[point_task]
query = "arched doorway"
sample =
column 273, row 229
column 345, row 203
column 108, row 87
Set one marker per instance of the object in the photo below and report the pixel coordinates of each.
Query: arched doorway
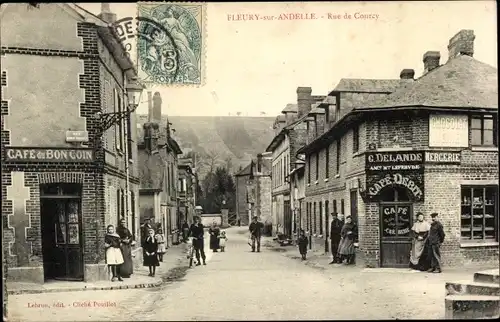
column 396, row 219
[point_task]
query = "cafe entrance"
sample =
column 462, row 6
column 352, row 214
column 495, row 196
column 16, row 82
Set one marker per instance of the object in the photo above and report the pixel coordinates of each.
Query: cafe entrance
column 396, row 219
column 61, row 228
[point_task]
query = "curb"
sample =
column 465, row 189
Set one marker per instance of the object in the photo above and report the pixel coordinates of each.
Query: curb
column 163, row 280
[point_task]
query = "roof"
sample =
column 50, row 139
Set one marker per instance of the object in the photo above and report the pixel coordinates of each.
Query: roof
column 461, row 82
column 290, row 108
column 368, row 85
column 174, row 145
column 281, row 135
column 246, row 171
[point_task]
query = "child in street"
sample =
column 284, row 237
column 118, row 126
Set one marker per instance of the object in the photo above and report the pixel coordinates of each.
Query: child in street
column 222, row 240
column 303, row 242
column 160, row 239
column 151, row 253
column 114, row 257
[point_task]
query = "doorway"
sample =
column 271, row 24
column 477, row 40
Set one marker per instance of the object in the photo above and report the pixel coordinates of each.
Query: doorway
column 396, row 219
column 287, row 210
column 61, row 230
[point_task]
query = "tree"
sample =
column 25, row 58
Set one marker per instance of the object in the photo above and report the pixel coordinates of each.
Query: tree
column 238, row 113
column 228, row 163
column 218, row 186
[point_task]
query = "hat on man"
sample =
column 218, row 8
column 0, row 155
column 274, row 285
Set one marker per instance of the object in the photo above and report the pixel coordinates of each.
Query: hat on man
column 434, row 214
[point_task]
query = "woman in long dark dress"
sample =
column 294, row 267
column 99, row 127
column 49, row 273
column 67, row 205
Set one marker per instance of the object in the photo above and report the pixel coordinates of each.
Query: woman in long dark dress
column 348, row 235
column 151, row 253
column 418, row 255
column 127, row 241
column 214, row 232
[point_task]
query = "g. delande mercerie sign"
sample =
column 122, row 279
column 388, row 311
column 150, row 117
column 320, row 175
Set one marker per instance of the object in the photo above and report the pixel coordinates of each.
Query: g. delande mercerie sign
column 49, row 155
column 394, row 161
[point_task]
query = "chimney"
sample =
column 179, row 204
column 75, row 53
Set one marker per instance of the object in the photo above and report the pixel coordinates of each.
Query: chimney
column 408, row 73
column 461, row 44
column 431, row 60
column 156, row 117
column 259, row 162
column 311, row 129
column 150, row 107
column 151, row 136
column 319, row 120
column 303, row 100
column 106, row 13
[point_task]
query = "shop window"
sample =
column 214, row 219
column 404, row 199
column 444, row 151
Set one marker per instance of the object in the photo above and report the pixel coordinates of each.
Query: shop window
column 479, row 213
column 61, row 189
column 483, row 130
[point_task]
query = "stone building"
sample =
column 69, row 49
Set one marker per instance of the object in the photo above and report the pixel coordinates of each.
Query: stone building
column 187, row 184
column 63, row 181
column 158, row 171
column 429, row 146
column 253, row 192
column 290, row 134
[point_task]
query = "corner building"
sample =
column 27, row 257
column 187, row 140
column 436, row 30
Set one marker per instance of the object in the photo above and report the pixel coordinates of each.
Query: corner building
column 59, row 195
column 429, row 146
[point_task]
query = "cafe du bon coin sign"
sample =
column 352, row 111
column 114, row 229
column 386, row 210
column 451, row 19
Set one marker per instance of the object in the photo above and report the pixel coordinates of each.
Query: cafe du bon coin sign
column 388, row 169
column 48, row 155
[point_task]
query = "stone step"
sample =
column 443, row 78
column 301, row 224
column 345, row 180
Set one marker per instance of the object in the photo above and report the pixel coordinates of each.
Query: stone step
column 488, row 276
column 460, row 307
column 473, row 288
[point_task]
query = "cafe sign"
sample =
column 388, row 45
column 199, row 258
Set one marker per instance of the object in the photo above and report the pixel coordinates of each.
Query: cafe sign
column 394, row 161
column 49, row 155
column 414, row 184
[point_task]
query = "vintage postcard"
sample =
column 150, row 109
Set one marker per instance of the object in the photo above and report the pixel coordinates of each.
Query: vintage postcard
column 203, row 161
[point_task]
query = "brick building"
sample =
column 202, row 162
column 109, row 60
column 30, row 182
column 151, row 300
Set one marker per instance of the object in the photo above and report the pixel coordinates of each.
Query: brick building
column 187, row 184
column 253, row 192
column 58, row 196
column 290, row 134
column 429, row 146
column 158, row 171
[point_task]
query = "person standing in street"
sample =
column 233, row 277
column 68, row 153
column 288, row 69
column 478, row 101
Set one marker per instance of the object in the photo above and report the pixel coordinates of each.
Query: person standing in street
column 160, row 239
column 114, row 257
column 214, row 232
column 303, row 242
column 196, row 231
column 435, row 239
column 256, row 233
column 145, row 230
column 151, row 253
column 127, row 241
column 335, row 229
column 348, row 235
column 185, row 231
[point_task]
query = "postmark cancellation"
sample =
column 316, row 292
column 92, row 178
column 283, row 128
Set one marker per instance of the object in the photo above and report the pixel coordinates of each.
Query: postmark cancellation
column 171, row 43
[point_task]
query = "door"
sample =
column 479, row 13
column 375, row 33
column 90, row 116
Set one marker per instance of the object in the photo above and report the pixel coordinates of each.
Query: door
column 287, row 211
column 61, row 238
column 395, row 225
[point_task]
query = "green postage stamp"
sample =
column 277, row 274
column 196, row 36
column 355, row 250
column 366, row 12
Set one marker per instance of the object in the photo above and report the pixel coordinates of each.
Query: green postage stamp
column 171, row 43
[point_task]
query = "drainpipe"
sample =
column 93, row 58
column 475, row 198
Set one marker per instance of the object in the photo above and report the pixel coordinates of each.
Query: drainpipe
column 127, row 192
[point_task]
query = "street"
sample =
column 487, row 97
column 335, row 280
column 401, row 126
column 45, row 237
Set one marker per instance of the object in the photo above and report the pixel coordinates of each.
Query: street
column 240, row 285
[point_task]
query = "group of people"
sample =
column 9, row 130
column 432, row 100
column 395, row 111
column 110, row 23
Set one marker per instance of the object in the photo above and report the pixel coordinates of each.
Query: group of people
column 196, row 234
column 343, row 235
column 427, row 238
column 118, row 245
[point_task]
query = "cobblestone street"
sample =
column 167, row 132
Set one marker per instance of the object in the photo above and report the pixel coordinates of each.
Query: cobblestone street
column 238, row 285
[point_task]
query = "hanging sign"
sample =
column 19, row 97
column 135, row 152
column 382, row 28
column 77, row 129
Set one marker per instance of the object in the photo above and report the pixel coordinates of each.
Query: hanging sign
column 49, row 155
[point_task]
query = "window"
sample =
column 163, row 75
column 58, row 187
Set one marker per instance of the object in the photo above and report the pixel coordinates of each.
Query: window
column 335, row 207
column 132, row 208
column 317, row 166
column 355, row 139
column 327, row 162
column 354, row 205
column 308, row 169
column 479, row 213
column 342, row 210
column 118, row 205
column 308, row 216
column 129, row 138
column 320, row 217
column 314, row 218
column 483, row 130
column 337, row 163
column 327, row 115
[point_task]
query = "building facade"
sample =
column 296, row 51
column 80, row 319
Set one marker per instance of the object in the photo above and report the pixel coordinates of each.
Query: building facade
column 429, row 146
column 187, row 184
column 253, row 193
column 291, row 134
column 63, row 181
column 158, row 171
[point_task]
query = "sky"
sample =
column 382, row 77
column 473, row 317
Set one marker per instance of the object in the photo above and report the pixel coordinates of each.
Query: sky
column 254, row 67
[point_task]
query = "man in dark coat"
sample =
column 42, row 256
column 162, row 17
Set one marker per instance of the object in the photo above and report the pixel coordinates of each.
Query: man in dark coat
column 127, row 240
column 196, row 231
column 335, row 229
column 256, row 233
column 435, row 239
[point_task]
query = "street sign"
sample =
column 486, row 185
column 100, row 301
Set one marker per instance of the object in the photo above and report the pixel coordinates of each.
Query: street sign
column 77, row 136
